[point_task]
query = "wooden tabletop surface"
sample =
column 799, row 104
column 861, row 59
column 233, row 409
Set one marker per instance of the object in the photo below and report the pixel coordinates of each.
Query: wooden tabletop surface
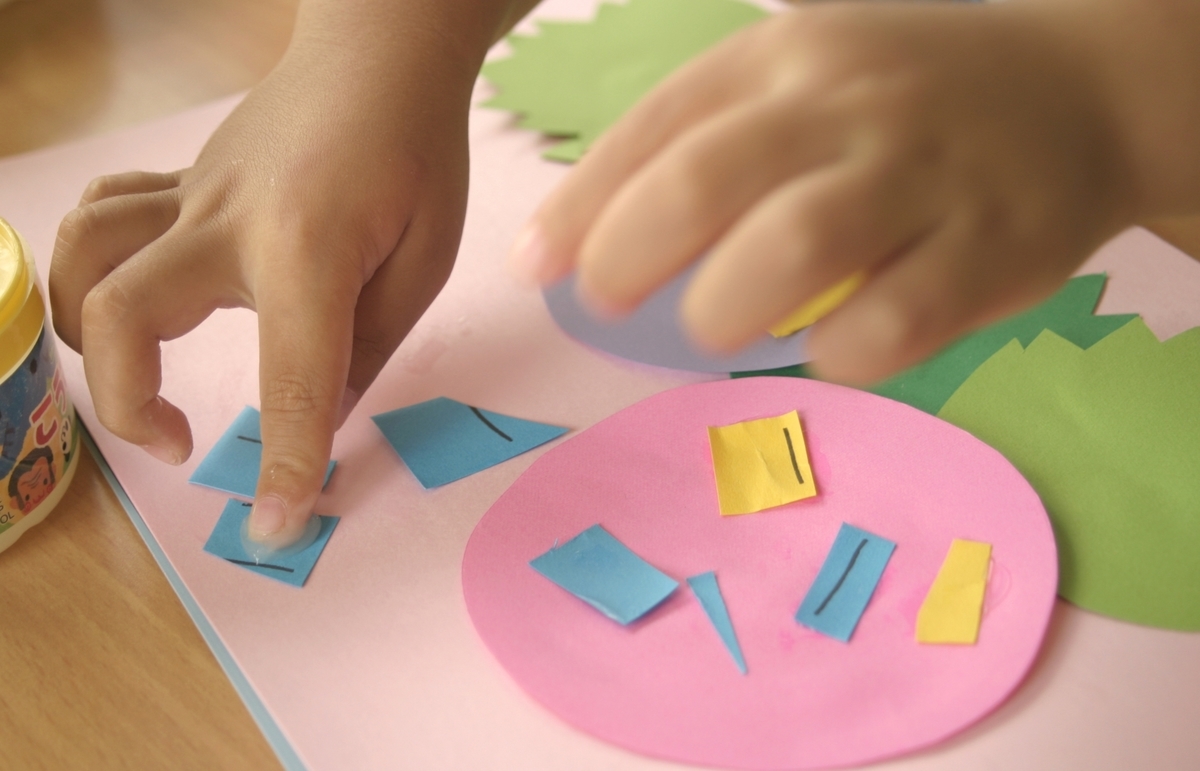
column 100, row 666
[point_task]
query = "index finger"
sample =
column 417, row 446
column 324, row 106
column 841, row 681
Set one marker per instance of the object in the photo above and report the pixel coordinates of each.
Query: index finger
column 306, row 331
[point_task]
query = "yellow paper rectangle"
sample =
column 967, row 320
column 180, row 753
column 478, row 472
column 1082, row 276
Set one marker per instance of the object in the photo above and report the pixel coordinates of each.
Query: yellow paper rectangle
column 954, row 606
column 761, row 464
column 820, row 306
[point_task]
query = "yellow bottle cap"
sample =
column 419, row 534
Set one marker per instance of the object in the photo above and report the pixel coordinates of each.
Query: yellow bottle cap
column 22, row 311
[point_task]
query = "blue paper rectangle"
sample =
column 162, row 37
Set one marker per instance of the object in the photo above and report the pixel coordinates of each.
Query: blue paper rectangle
column 443, row 440
column 290, row 568
column 232, row 465
column 705, row 587
column 600, row 570
column 839, row 595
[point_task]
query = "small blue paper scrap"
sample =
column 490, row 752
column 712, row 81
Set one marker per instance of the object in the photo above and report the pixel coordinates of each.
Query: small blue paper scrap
column 232, row 465
column 600, row 570
column 839, row 595
column 705, row 587
column 443, row 440
column 291, row 568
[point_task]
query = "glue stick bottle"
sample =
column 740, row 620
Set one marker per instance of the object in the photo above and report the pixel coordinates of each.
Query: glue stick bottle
column 38, row 438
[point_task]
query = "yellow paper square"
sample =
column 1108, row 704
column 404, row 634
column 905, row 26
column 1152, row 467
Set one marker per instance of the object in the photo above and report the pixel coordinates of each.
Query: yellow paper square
column 954, row 606
column 820, row 306
column 761, row 464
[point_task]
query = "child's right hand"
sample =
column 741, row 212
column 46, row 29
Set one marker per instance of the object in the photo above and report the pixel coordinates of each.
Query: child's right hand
column 331, row 202
column 966, row 157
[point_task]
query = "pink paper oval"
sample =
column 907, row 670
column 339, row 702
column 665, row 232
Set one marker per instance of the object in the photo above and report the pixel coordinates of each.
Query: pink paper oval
column 665, row 686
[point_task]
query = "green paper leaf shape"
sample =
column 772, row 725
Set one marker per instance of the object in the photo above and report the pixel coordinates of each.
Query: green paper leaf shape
column 573, row 80
column 1110, row 439
column 928, row 385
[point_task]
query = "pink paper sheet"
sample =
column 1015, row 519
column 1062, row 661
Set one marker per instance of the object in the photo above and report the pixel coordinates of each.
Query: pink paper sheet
column 664, row 686
column 374, row 664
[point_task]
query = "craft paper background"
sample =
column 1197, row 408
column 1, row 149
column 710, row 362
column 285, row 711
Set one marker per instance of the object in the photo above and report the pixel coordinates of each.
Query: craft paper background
column 233, row 464
column 663, row 688
column 1110, row 438
column 443, row 440
column 391, row 670
column 928, row 385
column 574, row 80
column 226, row 543
column 652, row 335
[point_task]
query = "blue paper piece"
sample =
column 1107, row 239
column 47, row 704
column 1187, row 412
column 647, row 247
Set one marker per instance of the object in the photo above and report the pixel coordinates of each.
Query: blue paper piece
column 232, row 465
column 704, row 586
column 443, row 440
column 291, row 568
column 839, row 595
column 604, row 573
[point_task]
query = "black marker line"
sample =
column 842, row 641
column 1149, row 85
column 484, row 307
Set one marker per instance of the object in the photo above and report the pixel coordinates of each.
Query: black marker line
column 846, row 572
column 260, row 565
column 257, row 441
column 490, row 425
column 247, row 505
column 792, row 452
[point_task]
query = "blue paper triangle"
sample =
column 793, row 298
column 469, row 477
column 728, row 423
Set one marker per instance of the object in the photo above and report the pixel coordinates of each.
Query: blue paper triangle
column 704, row 586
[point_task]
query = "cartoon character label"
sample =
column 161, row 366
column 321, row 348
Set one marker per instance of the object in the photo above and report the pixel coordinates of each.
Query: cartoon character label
column 38, row 439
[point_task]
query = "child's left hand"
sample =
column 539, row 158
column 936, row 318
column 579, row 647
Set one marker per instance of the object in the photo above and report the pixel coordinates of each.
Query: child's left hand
column 963, row 155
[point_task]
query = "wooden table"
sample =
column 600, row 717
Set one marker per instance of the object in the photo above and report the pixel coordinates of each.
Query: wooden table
column 100, row 666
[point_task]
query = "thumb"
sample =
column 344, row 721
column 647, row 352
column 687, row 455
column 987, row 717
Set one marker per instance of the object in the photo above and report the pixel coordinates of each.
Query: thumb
column 305, row 329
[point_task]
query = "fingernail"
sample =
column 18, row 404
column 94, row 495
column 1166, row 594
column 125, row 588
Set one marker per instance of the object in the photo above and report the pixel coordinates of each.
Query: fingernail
column 349, row 400
column 527, row 260
column 164, row 454
column 267, row 517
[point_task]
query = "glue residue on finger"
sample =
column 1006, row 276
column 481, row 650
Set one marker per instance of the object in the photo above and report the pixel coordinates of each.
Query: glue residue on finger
column 260, row 552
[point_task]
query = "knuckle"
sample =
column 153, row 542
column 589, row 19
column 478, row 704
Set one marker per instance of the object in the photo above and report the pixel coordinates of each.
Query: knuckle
column 97, row 190
column 106, row 306
column 290, row 475
column 73, row 232
column 295, row 397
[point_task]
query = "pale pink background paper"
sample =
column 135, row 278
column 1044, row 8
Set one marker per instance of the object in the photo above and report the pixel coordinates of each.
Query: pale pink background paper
column 666, row 686
column 374, row 664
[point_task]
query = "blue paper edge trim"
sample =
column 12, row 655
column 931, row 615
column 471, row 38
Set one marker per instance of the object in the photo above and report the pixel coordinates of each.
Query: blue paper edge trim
column 266, row 724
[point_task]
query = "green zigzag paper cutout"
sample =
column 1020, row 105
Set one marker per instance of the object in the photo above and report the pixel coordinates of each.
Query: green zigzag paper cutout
column 928, row 385
column 1110, row 439
column 573, row 80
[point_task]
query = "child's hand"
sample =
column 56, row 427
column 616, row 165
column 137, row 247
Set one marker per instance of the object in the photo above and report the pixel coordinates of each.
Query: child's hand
column 962, row 154
column 331, row 202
